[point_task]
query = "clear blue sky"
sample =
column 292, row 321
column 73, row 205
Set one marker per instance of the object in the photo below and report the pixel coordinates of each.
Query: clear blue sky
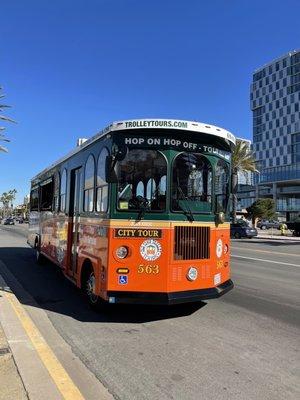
column 70, row 67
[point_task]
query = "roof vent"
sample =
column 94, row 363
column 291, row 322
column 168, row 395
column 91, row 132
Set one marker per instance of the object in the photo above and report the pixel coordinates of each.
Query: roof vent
column 80, row 141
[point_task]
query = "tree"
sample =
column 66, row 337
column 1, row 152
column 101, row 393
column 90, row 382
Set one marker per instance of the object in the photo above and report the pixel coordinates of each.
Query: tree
column 3, row 118
column 262, row 208
column 242, row 161
column 7, row 198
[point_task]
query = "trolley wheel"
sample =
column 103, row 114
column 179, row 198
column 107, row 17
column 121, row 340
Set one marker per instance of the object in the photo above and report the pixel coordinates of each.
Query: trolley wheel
column 237, row 235
column 40, row 259
column 94, row 301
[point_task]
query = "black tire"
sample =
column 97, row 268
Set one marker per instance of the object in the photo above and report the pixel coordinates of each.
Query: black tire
column 237, row 235
column 263, row 227
column 40, row 259
column 88, row 287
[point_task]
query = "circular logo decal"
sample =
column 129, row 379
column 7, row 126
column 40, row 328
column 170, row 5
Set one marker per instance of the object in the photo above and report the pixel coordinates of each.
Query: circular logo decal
column 219, row 248
column 150, row 250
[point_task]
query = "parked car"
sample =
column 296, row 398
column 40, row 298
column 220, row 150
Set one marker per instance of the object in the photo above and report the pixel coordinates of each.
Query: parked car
column 8, row 221
column 266, row 224
column 294, row 226
column 239, row 230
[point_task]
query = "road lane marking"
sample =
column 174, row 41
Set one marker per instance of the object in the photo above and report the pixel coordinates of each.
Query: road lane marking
column 268, row 261
column 59, row 375
column 267, row 251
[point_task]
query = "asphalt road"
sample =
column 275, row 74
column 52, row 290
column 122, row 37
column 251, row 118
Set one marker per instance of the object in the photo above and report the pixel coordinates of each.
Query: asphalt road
column 244, row 345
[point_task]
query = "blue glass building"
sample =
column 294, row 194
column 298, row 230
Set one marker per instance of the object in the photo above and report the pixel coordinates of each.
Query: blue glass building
column 275, row 104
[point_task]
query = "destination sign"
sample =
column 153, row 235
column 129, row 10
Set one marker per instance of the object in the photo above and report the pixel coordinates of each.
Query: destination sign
column 138, row 233
column 183, row 145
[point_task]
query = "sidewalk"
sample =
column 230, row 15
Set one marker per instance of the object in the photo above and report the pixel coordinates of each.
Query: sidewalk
column 38, row 364
column 10, row 381
column 275, row 234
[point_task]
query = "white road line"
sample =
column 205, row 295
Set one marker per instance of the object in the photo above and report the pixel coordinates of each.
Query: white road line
column 268, row 261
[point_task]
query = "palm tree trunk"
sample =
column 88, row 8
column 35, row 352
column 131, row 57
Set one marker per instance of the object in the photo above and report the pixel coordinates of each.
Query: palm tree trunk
column 234, row 183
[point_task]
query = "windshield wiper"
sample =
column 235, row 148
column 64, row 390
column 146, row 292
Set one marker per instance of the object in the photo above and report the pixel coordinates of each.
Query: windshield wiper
column 188, row 213
column 143, row 205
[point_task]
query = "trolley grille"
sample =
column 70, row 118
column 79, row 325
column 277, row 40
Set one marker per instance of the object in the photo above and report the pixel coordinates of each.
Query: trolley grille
column 191, row 242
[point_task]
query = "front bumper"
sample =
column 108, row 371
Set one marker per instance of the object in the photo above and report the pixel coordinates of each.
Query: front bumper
column 188, row 296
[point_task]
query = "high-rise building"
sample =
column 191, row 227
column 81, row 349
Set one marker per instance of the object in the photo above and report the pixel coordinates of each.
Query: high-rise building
column 275, row 103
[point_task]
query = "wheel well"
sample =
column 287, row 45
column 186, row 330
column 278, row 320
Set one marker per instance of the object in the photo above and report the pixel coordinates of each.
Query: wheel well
column 86, row 268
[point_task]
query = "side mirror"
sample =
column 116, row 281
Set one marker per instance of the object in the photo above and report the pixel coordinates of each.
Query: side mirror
column 120, row 152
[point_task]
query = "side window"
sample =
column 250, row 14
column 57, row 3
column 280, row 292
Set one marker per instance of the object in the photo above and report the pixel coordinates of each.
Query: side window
column 89, row 178
column 63, row 190
column 34, row 199
column 151, row 189
column 46, row 192
column 102, row 186
column 140, row 189
column 56, row 192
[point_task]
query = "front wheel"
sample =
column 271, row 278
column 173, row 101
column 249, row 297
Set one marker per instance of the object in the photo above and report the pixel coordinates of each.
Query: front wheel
column 237, row 235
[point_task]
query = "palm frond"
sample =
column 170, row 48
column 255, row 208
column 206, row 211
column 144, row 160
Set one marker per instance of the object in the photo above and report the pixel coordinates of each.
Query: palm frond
column 243, row 158
column 3, row 118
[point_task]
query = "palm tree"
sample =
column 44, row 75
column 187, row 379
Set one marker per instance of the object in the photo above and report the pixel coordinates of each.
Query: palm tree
column 6, row 119
column 242, row 161
column 6, row 199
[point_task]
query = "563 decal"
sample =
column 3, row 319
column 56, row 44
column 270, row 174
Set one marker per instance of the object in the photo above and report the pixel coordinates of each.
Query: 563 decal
column 148, row 269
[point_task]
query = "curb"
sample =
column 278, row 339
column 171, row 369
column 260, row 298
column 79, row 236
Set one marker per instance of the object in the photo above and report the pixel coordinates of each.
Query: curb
column 285, row 238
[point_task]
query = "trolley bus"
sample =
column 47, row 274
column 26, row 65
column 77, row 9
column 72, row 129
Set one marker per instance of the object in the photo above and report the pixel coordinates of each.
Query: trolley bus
column 139, row 213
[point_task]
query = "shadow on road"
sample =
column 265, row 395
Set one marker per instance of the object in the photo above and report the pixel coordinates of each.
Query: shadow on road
column 53, row 292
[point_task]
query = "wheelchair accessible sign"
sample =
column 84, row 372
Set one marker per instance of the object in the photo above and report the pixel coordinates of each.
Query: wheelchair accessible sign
column 123, row 279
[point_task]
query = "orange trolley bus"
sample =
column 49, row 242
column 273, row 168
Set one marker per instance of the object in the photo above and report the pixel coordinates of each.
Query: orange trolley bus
column 139, row 213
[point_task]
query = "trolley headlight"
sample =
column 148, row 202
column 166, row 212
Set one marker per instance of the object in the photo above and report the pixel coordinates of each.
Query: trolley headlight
column 192, row 274
column 219, row 248
column 220, row 217
column 122, row 252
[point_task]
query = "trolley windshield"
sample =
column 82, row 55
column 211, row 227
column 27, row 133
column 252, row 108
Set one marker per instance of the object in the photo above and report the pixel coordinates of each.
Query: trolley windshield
column 142, row 181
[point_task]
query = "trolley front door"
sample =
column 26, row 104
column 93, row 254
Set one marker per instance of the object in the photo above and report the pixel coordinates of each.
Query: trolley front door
column 74, row 218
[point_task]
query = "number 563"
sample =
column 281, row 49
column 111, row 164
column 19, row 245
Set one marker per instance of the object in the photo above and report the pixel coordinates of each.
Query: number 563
column 148, row 269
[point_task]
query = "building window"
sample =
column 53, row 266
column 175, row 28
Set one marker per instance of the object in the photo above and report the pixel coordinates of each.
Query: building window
column 284, row 63
column 63, row 191
column 102, row 186
column 89, row 181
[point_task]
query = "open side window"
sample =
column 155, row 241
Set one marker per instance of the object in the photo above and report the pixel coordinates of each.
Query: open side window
column 46, row 195
column 34, row 199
